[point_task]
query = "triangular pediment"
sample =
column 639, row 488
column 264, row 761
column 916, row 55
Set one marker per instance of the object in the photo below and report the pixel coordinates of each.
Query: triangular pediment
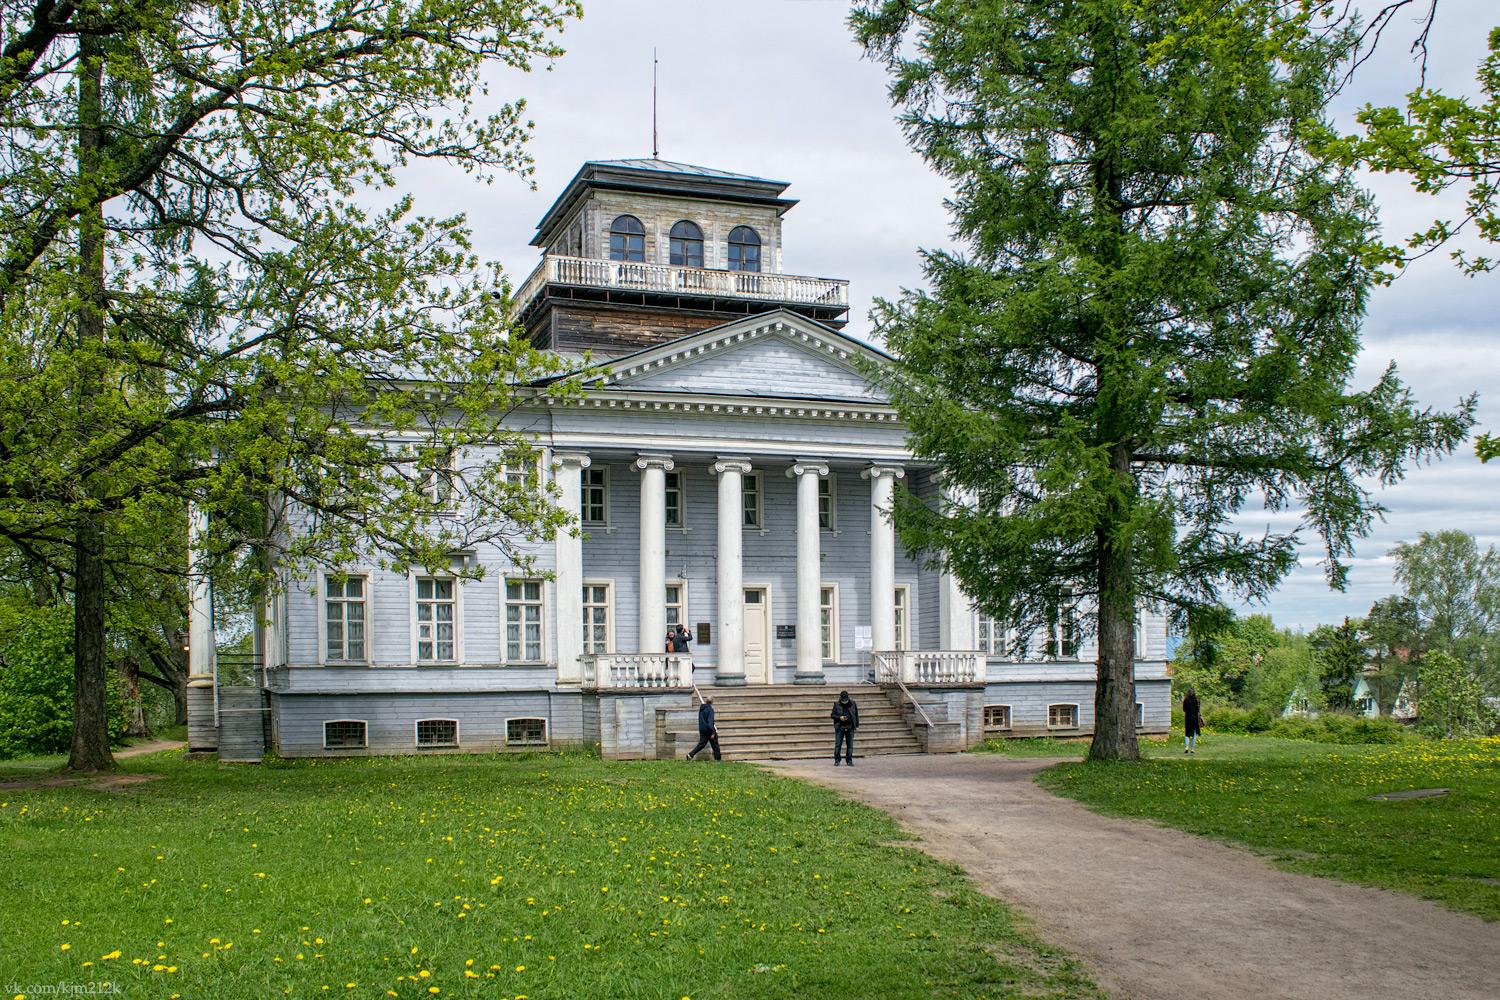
column 776, row 355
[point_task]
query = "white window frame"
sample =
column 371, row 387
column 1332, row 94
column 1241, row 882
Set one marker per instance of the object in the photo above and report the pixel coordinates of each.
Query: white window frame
column 1055, row 622
column 1062, row 704
column 831, row 494
column 458, row 618
column 541, row 602
column 602, row 471
column 681, row 490
column 416, row 729
column 323, row 599
column 517, row 475
column 363, row 746
column 546, row 731
column 682, row 602
column 830, row 652
column 438, row 483
column 609, row 616
column 1140, row 715
column 758, row 490
column 902, row 620
column 1009, row 719
column 992, row 647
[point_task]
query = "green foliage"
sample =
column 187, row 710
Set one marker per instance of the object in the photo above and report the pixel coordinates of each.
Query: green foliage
column 36, row 686
column 1155, row 317
column 1451, row 701
column 1308, row 807
column 556, row 876
column 1328, row 727
column 1454, row 591
column 1440, row 142
column 1342, row 656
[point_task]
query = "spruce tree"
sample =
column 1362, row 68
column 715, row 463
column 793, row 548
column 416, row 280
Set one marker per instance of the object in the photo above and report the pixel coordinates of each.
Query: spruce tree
column 1154, row 319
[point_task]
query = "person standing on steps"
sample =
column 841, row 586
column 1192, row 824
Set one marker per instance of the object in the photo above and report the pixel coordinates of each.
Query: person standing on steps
column 708, row 730
column 845, row 717
column 1192, row 721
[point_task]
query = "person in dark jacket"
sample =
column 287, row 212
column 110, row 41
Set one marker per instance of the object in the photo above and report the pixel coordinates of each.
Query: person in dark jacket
column 1192, row 722
column 708, row 730
column 845, row 716
column 679, row 639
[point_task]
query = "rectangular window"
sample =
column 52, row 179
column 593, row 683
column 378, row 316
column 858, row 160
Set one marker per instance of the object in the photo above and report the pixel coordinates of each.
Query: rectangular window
column 751, row 494
column 344, row 618
column 996, row 718
column 595, row 496
column 344, row 734
column 674, row 500
column 827, row 504
column 437, row 618
column 1140, row 716
column 437, row 480
column 989, row 634
column 523, row 621
column 676, row 605
column 525, row 732
column 524, row 471
column 1062, row 716
column 828, row 622
column 596, row 605
column 1062, row 632
column 437, row 732
column 902, row 617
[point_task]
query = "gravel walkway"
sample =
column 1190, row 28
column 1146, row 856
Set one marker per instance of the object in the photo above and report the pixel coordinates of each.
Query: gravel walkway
column 1160, row 914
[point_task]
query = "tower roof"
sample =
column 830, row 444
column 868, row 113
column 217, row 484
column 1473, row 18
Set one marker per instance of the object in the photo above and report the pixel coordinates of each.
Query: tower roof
column 656, row 176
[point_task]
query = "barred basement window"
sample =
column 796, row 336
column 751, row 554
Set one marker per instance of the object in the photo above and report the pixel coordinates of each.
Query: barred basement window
column 344, row 734
column 996, row 717
column 1062, row 716
column 437, row 732
column 525, row 732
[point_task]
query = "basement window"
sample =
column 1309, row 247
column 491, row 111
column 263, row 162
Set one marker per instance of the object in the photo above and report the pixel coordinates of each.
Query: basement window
column 437, row 732
column 344, row 734
column 525, row 732
column 1062, row 716
column 996, row 718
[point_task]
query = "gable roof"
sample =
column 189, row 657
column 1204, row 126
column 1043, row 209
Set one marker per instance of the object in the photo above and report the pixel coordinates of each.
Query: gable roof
column 777, row 354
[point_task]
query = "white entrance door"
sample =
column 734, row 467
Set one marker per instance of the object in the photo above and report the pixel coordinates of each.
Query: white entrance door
column 757, row 660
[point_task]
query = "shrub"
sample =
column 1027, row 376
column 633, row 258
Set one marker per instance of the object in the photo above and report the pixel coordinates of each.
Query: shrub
column 1330, row 727
column 1229, row 719
column 36, row 686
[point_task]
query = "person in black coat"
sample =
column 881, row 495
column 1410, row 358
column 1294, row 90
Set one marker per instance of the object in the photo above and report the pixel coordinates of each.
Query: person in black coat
column 679, row 639
column 708, row 730
column 845, row 716
column 1192, row 722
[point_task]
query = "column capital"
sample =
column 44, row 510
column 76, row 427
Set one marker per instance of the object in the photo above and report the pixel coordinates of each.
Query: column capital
column 654, row 461
column 731, row 464
column 572, row 459
column 808, row 467
column 878, row 469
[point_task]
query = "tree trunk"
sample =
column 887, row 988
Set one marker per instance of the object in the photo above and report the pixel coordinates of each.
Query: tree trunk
column 135, row 723
column 90, row 687
column 1114, row 691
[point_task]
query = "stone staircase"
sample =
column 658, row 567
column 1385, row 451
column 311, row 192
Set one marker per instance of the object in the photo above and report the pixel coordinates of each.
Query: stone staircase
column 787, row 722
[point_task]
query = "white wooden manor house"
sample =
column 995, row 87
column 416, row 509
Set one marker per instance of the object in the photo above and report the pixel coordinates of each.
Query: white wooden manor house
column 732, row 473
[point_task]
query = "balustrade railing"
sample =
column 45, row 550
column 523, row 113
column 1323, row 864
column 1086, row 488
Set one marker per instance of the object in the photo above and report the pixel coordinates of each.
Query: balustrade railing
column 592, row 273
column 928, row 668
column 651, row 671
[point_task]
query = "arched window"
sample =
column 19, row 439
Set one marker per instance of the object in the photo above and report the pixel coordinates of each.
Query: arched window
column 744, row 249
column 627, row 239
column 687, row 244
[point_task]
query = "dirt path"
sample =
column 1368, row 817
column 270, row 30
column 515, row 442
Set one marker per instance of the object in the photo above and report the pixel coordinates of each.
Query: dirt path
column 1160, row 914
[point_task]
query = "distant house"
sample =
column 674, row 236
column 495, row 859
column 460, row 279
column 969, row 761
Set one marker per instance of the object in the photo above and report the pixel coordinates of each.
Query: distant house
column 1299, row 705
column 1405, row 707
column 1363, row 699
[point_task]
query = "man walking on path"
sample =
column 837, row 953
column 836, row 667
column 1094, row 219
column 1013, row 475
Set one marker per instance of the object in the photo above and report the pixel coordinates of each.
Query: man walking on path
column 708, row 731
column 845, row 717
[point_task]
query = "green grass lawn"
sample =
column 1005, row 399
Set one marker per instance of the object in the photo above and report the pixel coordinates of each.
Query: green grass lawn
column 494, row 876
column 1308, row 806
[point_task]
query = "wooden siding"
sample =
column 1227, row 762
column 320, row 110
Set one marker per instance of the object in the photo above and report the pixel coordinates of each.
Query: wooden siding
column 766, row 366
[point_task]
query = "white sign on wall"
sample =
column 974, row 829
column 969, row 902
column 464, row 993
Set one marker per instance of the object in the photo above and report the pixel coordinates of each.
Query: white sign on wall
column 863, row 640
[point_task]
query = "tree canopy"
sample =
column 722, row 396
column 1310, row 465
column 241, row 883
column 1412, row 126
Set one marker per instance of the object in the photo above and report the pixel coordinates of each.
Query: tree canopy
column 210, row 291
column 1154, row 319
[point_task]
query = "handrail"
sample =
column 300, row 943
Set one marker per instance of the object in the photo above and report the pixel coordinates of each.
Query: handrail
column 920, row 710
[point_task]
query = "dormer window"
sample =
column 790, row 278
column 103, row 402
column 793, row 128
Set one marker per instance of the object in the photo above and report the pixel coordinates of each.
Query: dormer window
column 744, row 249
column 687, row 245
column 627, row 240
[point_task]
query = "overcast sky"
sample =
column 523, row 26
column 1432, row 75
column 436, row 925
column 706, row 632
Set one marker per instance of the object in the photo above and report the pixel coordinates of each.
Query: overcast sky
column 778, row 88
